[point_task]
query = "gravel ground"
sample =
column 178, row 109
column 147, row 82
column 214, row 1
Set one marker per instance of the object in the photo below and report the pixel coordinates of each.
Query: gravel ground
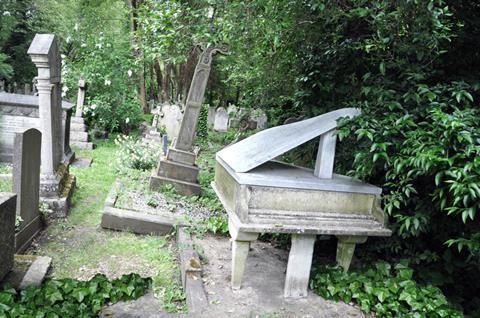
column 156, row 202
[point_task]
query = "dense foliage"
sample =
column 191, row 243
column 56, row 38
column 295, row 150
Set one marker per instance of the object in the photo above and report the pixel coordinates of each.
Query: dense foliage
column 387, row 292
column 69, row 297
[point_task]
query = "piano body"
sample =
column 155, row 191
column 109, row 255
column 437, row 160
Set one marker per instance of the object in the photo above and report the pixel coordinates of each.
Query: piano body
column 265, row 196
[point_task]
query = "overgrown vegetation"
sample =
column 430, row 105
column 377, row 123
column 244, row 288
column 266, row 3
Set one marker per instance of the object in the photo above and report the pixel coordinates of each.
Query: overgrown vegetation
column 69, row 297
column 389, row 292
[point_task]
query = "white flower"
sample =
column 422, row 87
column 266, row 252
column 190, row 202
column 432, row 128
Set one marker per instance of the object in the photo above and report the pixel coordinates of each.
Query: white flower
column 65, row 88
column 99, row 45
column 129, row 72
column 93, row 106
column 69, row 39
column 83, row 45
column 76, row 27
column 6, row 13
column 108, row 82
column 127, row 120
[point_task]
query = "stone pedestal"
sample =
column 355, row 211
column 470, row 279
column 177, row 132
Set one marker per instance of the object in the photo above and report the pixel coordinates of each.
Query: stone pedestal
column 79, row 135
column 56, row 184
column 178, row 169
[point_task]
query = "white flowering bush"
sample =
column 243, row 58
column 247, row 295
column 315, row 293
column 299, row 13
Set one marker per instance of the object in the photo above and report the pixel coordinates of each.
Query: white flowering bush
column 135, row 154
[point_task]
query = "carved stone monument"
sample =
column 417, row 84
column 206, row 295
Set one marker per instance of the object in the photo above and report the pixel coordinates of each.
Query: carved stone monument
column 221, row 120
column 26, row 184
column 56, row 184
column 7, row 232
column 265, row 196
column 78, row 132
column 178, row 167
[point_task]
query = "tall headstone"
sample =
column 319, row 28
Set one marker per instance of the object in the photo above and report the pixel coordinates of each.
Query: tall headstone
column 7, row 232
column 78, row 130
column 26, row 184
column 178, row 167
column 221, row 120
column 2, row 85
column 170, row 118
column 55, row 180
column 211, row 116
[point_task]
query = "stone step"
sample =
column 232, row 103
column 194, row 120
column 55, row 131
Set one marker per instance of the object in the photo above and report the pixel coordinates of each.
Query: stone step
column 178, row 171
column 77, row 120
column 78, row 127
column 182, row 187
column 78, row 136
column 82, row 145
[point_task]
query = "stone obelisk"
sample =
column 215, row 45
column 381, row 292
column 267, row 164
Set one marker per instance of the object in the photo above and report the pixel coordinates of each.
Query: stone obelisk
column 178, row 167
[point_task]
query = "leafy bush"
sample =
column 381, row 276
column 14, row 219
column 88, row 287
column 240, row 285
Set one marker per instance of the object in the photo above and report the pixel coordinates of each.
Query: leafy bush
column 70, row 297
column 136, row 154
column 387, row 292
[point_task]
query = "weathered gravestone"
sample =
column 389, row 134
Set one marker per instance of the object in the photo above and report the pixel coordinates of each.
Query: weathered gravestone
column 78, row 132
column 232, row 110
column 211, row 116
column 56, row 184
column 7, row 232
column 264, row 196
column 221, row 120
column 260, row 118
column 19, row 112
column 178, row 167
column 26, row 184
column 170, row 118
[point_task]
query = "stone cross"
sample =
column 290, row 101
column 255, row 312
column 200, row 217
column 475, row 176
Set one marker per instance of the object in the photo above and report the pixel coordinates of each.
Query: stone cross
column 46, row 57
column 82, row 87
column 221, row 120
column 26, row 184
column 195, row 98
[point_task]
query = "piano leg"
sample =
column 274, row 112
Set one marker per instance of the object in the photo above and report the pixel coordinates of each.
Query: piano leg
column 239, row 261
column 346, row 248
column 299, row 265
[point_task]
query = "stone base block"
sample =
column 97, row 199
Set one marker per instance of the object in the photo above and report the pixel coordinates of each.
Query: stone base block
column 178, row 171
column 140, row 223
column 184, row 157
column 182, row 187
column 83, row 145
column 28, row 270
column 60, row 205
column 77, row 120
column 78, row 136
column 78, row 127
column 27, row 233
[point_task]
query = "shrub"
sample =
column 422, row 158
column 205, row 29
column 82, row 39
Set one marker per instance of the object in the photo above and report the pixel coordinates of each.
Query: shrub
column 135, row 154
column 387, row 292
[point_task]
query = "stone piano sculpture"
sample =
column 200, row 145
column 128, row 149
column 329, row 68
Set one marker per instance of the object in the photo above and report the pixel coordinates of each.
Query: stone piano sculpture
column 265, row 196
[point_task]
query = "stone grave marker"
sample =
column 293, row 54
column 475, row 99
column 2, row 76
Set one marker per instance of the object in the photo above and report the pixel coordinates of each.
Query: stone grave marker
column 232, row 110
column 26, row 184
column 178, row 167
column 221, row 120
column 79, row 133
column 7, row 232
column 264, row 196
column 259, row 116
column 171, row 118
column 56, row 184
column 211, row 116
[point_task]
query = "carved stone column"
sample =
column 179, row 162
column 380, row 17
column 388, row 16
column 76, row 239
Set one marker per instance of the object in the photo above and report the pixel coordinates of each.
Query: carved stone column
column 178, row 168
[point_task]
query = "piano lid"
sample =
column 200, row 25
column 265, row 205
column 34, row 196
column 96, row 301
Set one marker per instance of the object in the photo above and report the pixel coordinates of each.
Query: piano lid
column 273, row 142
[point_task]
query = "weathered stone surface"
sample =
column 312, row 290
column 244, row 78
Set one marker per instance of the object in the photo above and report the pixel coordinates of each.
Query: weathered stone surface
column 182, row 146
column 260, row 118
column 221, row 120
column 7, row 232
column 170, row 118
column 26, row 184
column 265, row 196
column 37, row 272
column 211, row 116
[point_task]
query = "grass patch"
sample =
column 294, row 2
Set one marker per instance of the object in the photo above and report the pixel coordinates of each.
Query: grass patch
column 80, row 248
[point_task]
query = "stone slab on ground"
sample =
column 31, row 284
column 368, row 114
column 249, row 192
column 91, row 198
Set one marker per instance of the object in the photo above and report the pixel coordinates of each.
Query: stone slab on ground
column 28, row 270
column 82, row 162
